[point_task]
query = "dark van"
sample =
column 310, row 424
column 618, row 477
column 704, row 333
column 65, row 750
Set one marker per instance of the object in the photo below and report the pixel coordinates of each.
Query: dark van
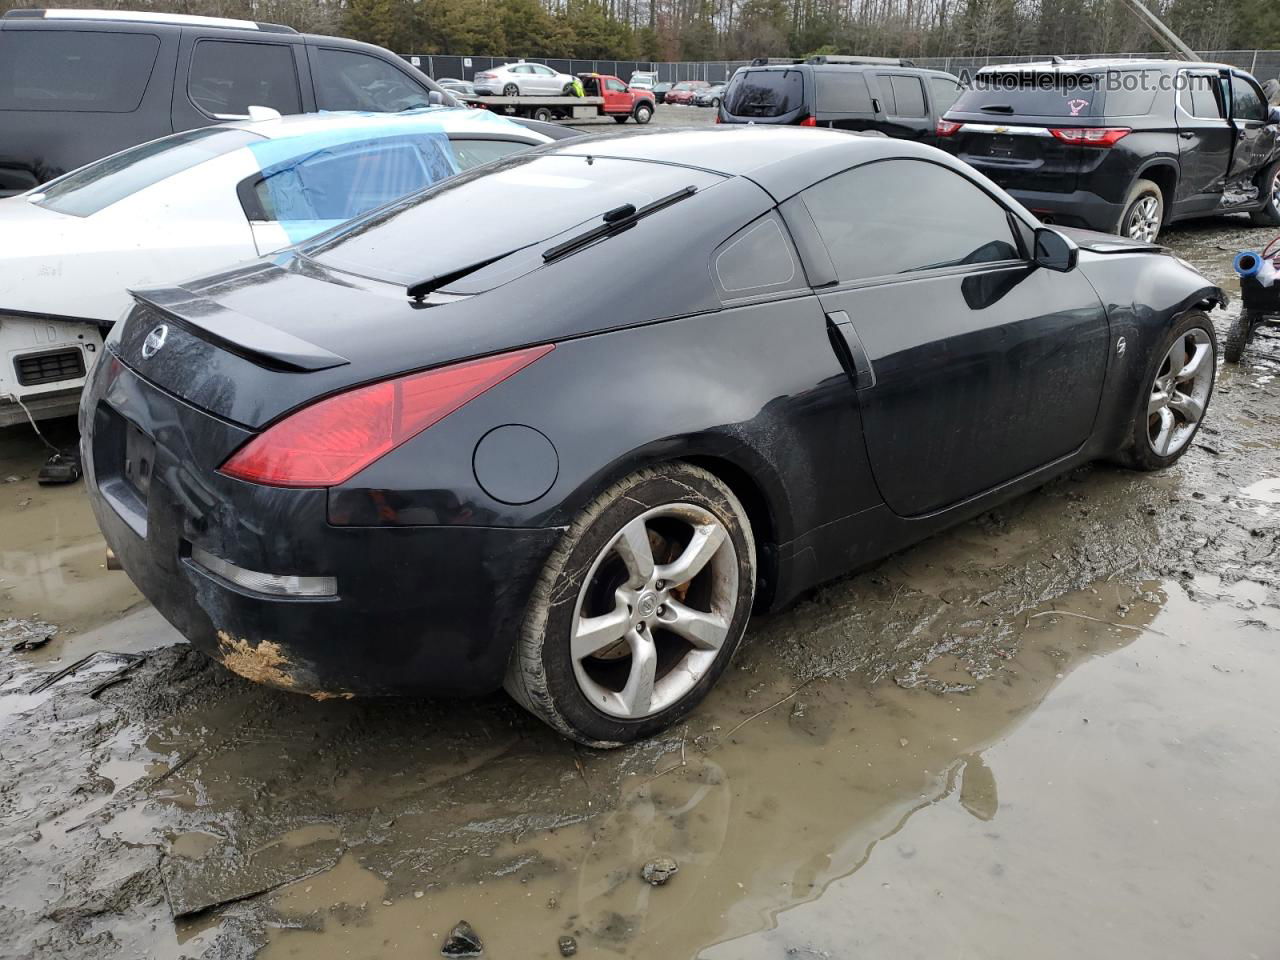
column 848, row 93
column 77, row 85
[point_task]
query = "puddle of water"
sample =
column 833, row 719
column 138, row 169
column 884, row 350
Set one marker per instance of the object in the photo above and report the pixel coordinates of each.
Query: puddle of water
column 1268, row 491
column 52, row 556
column 1109, row 793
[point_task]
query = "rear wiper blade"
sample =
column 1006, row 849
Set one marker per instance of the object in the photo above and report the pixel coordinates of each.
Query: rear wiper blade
column 416, row 291
column 619, row 218
column 997, row 108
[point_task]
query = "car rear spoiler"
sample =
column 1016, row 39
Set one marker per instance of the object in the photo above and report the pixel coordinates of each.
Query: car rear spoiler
column 252, row 339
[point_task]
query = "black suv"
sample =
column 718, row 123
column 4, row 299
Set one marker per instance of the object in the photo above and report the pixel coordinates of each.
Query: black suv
column 77, row 85
column 848, row 93
column 1124, row 146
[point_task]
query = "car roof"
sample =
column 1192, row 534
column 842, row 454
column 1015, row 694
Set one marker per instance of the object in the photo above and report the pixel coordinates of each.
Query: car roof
column 448, row 120
column 141, row 16
column 1102, row 63
column 781, row 159
column 846, row 67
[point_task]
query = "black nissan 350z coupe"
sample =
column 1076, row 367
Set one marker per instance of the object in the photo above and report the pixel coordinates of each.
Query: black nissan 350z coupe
column 562, row 422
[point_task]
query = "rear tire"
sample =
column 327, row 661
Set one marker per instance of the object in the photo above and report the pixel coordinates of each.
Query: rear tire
column 511, row 90
column 643, row 113
column 1177, row 386
column 1269, row 216
column 544, row 114
column 602, row 655
column 1143, row 214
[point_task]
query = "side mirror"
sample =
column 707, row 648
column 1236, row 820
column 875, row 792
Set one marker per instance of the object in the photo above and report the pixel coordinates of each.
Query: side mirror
column 1053, row 251
column 435, row 98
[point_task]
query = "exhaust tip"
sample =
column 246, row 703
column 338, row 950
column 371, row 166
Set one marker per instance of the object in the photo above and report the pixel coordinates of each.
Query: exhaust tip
column 113, row 562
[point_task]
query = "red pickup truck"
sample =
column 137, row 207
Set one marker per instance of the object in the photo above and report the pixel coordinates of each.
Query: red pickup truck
column 605, row 96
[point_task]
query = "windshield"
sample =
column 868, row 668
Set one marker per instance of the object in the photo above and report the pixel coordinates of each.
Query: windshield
column 91, row 188
column 764, row 93
column 1032, row 94
column 492, row 211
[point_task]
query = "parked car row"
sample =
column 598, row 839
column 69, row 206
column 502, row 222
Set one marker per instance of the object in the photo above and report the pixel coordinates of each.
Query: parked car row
column 1121, row 146
column 315, row 418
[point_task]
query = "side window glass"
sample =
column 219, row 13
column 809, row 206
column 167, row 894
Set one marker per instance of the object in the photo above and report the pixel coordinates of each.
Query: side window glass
column 899, row 216
column 888, row 102
column 229, row 76
column 336, row 183
column 1198, row 96
column 945, row 93
column 346, row 80
column 1246, row 102
column 1130, row 93
column 472, row 153
column 756, row 261
column 909, row 96
column 617, row 86
column 842, row 92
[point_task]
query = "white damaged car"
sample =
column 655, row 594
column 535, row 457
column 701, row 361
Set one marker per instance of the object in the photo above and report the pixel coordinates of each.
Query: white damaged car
column 194, row 202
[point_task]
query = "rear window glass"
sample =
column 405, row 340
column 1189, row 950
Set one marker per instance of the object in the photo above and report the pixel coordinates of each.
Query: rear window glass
column 494, row 210
column 1032, row 95
column 842, row 92
column 764, row 93
column 345, row 180
column 104, row 182
column 75, row 70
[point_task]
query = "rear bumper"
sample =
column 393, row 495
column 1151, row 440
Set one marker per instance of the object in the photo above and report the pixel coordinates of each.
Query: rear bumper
column 417, row 610
column 1078, row 209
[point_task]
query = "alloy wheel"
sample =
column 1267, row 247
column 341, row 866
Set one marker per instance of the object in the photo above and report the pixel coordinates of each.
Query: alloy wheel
column 1180, row 392
column 1275, row 191
column 654, row 611
column 1144, row 220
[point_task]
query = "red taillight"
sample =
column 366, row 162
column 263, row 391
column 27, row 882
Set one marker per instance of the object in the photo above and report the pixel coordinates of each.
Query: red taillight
column 718, row 120
column 331, row 441
column 809, row 122
column 946, row 128
column 1090, row 136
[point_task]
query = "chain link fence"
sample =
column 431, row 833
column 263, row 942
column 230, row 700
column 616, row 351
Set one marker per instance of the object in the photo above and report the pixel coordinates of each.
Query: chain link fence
column 1263, row 64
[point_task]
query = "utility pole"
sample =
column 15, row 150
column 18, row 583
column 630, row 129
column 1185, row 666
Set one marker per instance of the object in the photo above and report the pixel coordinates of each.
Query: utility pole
column 1162, row 32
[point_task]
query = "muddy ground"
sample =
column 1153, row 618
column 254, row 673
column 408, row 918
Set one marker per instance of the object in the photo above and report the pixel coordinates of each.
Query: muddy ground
column 1050, row 732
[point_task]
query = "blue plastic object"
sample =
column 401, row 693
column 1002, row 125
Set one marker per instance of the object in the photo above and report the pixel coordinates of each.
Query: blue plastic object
column 1247, row 263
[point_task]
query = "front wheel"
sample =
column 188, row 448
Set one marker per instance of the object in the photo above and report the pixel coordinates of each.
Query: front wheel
column 643, row 113
column 639, row 609
column 1269, row 216
column 1177, row 386
column 1143, row 213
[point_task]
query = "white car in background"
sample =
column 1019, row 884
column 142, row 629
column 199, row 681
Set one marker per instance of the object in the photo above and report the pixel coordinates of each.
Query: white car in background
column 194, row 202
column 522, row 80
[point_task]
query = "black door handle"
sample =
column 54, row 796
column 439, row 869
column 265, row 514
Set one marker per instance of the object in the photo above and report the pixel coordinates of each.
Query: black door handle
column 1187, row 135
column 849, row 348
